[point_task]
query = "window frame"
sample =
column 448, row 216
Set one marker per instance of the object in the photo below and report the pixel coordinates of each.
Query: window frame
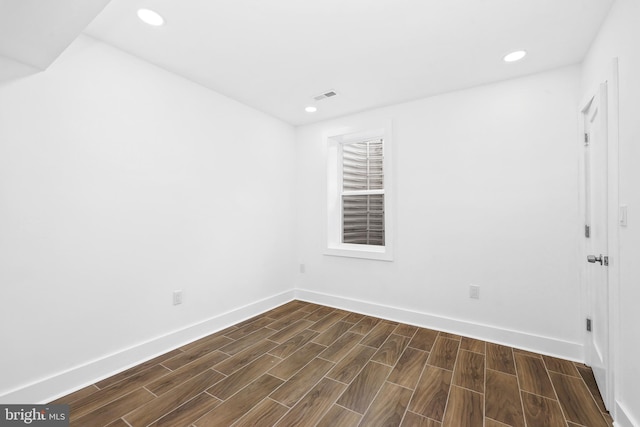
column 334, row 191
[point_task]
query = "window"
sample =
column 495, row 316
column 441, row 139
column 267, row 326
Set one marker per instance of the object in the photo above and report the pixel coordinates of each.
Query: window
column 363, row 193
column 358, row 196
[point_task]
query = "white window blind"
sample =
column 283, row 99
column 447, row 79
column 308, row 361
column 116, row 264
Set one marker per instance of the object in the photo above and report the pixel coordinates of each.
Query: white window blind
column 363, row 193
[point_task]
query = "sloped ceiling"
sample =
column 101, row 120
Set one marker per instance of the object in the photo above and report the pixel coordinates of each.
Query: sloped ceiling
column 33, row 33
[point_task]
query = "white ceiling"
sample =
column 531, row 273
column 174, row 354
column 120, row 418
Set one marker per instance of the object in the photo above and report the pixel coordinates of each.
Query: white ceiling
column 276, row 55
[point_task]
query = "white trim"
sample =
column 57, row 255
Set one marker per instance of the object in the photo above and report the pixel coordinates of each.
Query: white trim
column 613, row 231
column 66, row 382
column 622, row 417
column 536, row 343
column 63, row 383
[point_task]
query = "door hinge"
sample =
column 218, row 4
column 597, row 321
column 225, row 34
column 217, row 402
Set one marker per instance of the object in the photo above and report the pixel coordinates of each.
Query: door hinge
column 586, row 139
column 588, row 325
column 587, row 231
column 605, row 260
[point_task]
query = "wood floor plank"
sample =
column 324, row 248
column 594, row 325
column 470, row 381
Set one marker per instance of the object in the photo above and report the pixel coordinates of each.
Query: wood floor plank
column 408, row 368
column 391, row 350
column 118, row 423
column 286, row 309
column 76, row 395
column 234, row 382
column 298, row 385
column 93, row 401
column 290, row 331
column 542, row 412
column 341, row 346
column 526, row 353
column 247, row 341
column 464, row 409
column 414, row 420
column 406, row 330
column 471, row 344
column 311, row 408
column 293, row 344
column 502, row 398
column 136, row 369
column 168, row 382
column 333, row 333
column 161, row 406
column 319, row 313
column 469, row 372
column 338, row 416
column 450, row 336
column 364, row 388
column 264, row 414
column 444, row 353
column 353, row 318
column 488, row 422
column 113, row 410
column 251, row 320
column 533, row 376
column 576, row 400
column 349, row 367
column 327, row 321
column 292, row 364
column 239, row 360
column 187, row 413
column 500, row 358
column 424, row 339
column 288, row 320
column 247, row 329
column 239, row 404
column 388, row 408
column 378, row 334
column 195, row 352
column 431, row 394
column 587, row 375
column 365, row 325
column 562, row 366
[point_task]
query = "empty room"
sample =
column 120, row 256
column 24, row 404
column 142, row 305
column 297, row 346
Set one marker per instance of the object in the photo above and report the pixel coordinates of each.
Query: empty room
column 338, row 213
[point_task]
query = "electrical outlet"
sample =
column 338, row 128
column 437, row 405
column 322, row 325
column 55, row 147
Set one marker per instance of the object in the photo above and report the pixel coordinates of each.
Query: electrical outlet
column 474, row 291
column 177, row 297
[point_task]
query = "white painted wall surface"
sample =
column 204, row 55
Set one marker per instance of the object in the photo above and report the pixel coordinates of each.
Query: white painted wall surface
column 487, row 193
column 619, row 38
column 120, row 182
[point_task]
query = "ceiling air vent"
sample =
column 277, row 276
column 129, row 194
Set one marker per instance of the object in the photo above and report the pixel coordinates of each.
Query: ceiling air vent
column 327, row 94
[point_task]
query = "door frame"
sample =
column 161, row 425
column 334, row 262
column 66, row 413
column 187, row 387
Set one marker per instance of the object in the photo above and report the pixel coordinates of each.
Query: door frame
column 613, row 270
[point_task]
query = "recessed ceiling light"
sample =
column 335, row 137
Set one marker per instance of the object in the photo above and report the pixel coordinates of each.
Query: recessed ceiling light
column 515, row 56
column 310, row 109
column 150, row 17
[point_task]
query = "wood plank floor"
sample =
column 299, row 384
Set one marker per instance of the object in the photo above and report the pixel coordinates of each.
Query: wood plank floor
column 303, row 364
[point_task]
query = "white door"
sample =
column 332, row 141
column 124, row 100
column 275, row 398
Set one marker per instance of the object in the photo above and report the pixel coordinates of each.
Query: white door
column 596, row 256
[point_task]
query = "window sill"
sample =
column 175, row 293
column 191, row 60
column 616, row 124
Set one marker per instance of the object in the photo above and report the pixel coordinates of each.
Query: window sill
column 379, row 253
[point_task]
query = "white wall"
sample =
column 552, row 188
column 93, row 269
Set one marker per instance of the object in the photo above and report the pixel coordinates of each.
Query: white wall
column 487, row 193
column 619, row 37
column 120, row 182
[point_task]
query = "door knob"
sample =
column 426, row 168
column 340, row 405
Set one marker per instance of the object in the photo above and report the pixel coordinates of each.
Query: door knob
column 594, row 259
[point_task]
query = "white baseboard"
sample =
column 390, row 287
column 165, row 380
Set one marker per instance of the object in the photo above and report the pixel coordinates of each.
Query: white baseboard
column 63, row 383
column 623, row 417
column 536, row 343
